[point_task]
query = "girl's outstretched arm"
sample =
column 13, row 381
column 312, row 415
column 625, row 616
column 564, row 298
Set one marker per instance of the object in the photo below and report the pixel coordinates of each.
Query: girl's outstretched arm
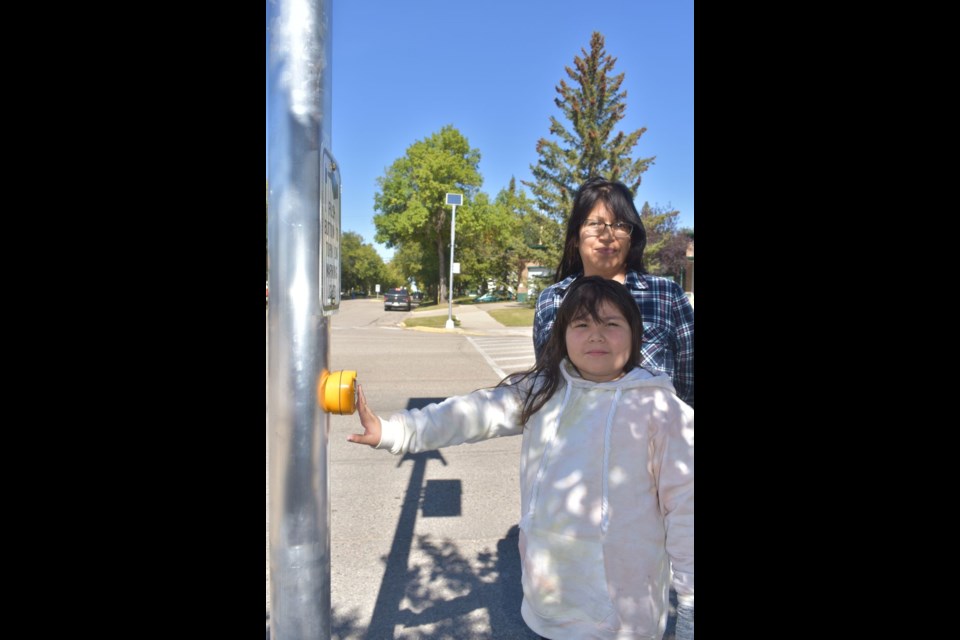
column 369, row 421
column 481, row 415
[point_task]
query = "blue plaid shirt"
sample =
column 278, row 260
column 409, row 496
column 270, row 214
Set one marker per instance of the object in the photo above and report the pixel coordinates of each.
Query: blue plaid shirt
column 667, row 325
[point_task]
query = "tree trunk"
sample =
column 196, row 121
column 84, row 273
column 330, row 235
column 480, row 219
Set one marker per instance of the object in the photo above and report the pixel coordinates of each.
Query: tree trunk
column 443, row 270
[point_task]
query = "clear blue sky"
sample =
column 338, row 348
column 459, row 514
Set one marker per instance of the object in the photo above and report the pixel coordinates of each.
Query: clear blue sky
column 403, row 70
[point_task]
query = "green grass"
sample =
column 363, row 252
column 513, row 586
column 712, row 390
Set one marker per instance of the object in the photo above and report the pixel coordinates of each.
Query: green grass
column 437, row 322
column 513, row 317
column 428, row 306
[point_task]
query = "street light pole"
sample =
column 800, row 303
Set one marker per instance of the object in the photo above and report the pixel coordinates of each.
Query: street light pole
column 453, row 199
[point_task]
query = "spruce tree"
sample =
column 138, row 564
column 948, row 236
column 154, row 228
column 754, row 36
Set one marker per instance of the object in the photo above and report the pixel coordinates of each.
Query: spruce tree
column 660, row 223
column 593, row 104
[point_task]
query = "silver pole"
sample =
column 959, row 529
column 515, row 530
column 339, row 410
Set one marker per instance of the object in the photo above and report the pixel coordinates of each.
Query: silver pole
column 298, row 110
column 453, row 235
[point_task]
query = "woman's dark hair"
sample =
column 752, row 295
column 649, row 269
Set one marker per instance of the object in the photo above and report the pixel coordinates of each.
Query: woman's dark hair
column 583, row 298
column 619, row 201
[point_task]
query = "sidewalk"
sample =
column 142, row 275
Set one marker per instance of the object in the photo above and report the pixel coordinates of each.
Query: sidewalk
column 474, row 320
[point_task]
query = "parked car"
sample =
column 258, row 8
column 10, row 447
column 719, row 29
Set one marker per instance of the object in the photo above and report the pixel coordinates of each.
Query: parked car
column 417, row 297
column 397, row 298
column 491, row 296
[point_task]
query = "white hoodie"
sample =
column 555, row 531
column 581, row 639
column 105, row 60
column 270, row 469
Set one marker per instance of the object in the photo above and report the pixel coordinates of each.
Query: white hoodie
column 606, row 475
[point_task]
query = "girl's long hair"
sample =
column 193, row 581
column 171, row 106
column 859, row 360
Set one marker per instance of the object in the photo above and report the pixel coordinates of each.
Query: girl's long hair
column 583, row 298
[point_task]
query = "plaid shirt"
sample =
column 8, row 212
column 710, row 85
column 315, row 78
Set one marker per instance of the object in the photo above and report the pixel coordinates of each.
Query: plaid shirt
column 667, row 325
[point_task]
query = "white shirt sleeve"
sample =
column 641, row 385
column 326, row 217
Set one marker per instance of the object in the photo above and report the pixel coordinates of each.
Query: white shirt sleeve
column 481, row 415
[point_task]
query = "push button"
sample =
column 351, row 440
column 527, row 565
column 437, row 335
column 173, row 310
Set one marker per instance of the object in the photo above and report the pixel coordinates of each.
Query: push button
column 338, row 392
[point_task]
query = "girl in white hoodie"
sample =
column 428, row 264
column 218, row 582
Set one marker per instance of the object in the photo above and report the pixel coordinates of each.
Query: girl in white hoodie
column 606, row 471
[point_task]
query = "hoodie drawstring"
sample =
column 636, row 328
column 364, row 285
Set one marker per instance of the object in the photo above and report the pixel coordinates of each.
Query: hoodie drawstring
column 604, row 503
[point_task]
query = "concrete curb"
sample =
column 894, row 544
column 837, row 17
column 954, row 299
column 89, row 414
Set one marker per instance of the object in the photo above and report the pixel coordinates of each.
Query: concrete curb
column 457, row 330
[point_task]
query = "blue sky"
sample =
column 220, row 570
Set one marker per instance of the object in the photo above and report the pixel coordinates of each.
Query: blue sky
column 403, row 70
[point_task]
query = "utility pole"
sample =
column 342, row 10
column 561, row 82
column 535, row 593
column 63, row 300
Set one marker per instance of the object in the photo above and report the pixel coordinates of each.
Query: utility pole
column 453, row 199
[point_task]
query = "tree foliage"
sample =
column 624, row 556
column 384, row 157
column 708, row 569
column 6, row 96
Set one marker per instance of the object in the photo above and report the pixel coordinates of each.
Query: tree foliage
column 593, row 105
column 485, row 241
column 496, row 238
column 661, row 257
column 361, row 267
column 673, row 255
column 412, row 195
column 538, row 238
column 411, row 261
column 391, row 277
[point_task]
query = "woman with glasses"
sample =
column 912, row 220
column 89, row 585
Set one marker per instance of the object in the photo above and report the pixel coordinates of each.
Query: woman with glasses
column 605, row 237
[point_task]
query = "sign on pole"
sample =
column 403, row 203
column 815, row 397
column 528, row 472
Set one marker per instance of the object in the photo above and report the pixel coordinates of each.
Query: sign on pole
column 330, row 234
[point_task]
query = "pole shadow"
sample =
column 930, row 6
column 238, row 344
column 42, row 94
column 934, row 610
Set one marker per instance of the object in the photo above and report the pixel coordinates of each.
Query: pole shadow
column 494, row 585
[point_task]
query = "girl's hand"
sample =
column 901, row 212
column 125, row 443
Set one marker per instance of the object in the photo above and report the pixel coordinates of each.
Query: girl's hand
column 369, row 421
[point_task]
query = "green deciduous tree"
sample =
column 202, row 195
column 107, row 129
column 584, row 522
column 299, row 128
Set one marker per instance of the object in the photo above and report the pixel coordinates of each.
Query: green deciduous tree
column 391, row 277
column 538, row 238
column 412, row 195
column 495, row 239
column 486, row 236
column 410, row 260
column 593, row 105
column 361, row 267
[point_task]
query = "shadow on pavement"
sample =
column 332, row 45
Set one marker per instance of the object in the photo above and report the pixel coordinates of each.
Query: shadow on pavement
column 492, row 582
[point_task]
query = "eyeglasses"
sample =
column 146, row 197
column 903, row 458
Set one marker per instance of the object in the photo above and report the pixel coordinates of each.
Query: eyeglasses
column 620, row 229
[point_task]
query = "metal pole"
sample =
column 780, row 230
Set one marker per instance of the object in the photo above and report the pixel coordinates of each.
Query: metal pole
column 453, row 235
column 298, row 110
